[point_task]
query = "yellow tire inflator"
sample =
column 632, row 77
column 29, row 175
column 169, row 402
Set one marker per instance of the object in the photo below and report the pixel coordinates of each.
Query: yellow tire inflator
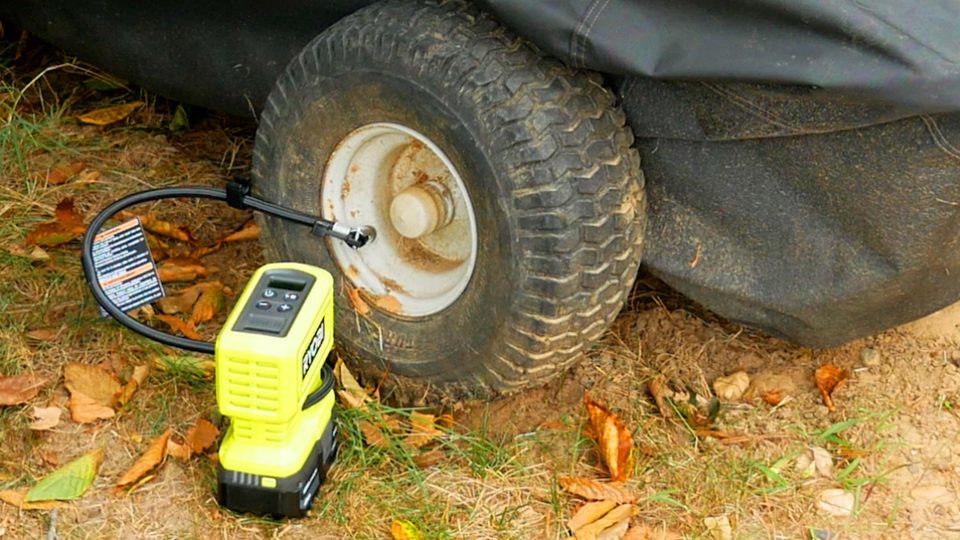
column 273, row 385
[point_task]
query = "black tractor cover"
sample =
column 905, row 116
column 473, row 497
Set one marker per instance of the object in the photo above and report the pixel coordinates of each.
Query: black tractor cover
column 802, row 157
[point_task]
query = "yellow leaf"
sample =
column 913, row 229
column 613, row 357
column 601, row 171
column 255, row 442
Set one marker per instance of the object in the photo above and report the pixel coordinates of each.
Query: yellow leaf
column 589, row 513
column 17, row 497
column 209, row 303
column 102, row 387
column 139, row 375
column 184, row 327
column 109, row 115
column 68, row 482
column 402, row 529
column 249, row 231
column 84, row 409
column 619, row 514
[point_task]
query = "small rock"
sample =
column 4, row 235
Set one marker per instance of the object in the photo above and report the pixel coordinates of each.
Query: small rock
column 836, row 502
column 821, row 534
column 731, row 387
column 719, row 527
column 870, row 357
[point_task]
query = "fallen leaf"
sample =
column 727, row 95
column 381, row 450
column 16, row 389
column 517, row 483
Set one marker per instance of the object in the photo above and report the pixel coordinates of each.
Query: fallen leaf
column 836, row 502
column 18, row 389
column 92, row 381
column 45, row 418
column 136, row 379
column 208, row 304
column 88, row 177
column 719, row 527
column 773, row 397
column 44, row 335
column 184, row 302
column 66, row 226
column 359, row 305
column 612, row 518
column 249, row 231
column 62, row 172
column 659, row 390
column 373, row 435
column 429, row 458
column 597, row 491
column 17, row 497
column 201, row 436
column 148, row 462
column 179, row 451
column 352, row 394
column 646, row 532
column 109, row 115
column 423, row 429
column 36, row 254
column 615, row 531
column 84, row 409
column 68, row 482
column 588, row 513
column 828, row 378
column 184, row 327
column 731, row 387
column 164, row 228
column 613, row 438
column 402, row 529
column 181, row 269
column 203, row 251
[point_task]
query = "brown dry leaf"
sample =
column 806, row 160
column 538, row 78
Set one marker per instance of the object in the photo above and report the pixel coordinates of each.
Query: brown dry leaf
column 203, row 251
column 429, row 458
column 201, row 436
column 593, row 530
column 165, row 228
column 150, row 460
column 109, row 115
column 597, row 491
column 616, row 531
column 249, row 231
column 373, row 435
column 359, row 305
column 88, row 177
column 828, row 378
column 423, row 429
column 17, row 497
column 84, row 409
column 208, row 304
column 588, row 513
column 67, row 225
column 44, row 335
column 18, row 389
column 45, row 418
column 62, row 172
column 184, row 327
column 181, row 269
column 352, row 395
column 613, row 438
column 445, row 420
column 92, row 381
column 184, row 302
column 646, row 532
column 136, row 379
column 659, row 390
column 36, row 254
column 179, row 451
column 836, row 502
column 773, row 397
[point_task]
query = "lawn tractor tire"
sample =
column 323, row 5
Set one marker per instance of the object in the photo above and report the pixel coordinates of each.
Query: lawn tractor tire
column 507, row 198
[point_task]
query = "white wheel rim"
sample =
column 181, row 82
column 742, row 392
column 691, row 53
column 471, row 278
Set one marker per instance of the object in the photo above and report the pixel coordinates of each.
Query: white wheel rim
column 403, row 276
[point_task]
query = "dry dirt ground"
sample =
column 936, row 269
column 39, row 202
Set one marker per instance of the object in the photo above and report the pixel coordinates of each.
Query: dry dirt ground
column 890, row 440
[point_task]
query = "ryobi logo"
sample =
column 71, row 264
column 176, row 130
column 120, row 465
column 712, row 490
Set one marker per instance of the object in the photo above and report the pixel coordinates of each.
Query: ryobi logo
column 311, row 354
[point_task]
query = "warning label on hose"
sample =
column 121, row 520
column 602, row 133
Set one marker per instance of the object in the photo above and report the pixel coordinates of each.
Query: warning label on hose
column 124, row 267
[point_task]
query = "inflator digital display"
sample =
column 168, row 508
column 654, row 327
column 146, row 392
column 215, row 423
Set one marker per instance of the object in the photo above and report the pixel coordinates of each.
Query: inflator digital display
column 275, row 302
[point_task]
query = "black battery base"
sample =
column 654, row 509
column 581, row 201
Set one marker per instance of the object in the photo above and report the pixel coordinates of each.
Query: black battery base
column 292, row 496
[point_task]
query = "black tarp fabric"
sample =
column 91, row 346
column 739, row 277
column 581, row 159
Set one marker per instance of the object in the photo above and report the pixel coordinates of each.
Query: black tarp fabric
column 901, row 52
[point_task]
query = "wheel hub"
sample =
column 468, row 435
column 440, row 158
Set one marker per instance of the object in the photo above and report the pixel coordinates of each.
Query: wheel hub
column 401, row 183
